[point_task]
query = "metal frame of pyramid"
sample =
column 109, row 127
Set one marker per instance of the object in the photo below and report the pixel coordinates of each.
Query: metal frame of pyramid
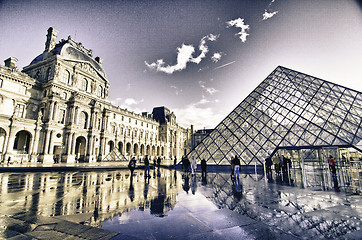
column 115, row 156
column 288, row 109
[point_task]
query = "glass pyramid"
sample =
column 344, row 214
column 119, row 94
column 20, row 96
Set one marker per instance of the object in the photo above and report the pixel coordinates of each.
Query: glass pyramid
column 288, row 109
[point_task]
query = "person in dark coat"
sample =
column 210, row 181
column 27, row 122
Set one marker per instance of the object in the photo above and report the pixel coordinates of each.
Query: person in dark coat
column 132, row 165
column 147, row 167
column 268, row 165
column 203, row 168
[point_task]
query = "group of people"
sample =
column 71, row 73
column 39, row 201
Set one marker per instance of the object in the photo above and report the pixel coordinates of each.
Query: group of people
column 187, row 165
column 235, row 167
column 132, row 164
column 282, row 165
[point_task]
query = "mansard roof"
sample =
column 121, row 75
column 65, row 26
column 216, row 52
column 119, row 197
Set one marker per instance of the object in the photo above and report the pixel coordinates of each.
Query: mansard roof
column 72, row 50
column 289, row 110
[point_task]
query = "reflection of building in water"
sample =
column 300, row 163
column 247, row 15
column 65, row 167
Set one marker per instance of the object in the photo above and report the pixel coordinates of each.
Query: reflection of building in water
column 94, row 195
column 57, row 109
column 300, row 212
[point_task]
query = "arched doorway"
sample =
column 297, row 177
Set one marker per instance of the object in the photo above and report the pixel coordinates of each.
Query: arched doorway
column 22, row 142
column 158, row 150
column 128, row 149
column 153, row 151
column 135, row 149
column 80, row 146
column 120, row 147
column 2, row 142
column 142, row 150
column 148, row 150
column 110, row 146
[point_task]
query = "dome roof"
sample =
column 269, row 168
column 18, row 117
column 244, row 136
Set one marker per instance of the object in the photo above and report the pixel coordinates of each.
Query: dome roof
column 72, row 50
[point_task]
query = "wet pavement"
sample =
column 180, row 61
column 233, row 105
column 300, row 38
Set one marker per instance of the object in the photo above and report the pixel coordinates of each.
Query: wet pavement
column 110, row 204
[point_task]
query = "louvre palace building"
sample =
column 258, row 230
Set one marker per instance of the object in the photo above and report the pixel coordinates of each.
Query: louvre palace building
column 57, row 110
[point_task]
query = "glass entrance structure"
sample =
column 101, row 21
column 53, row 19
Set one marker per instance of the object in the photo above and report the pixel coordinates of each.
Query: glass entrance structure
column 291, row 113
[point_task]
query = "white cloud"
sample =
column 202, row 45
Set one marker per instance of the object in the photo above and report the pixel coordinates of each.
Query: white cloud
column 216, row 57
column 198, row 116
column 132, row 101
column 239, row 23
column 268, row 15
column 184, row 55
column 211, row 90
column 130, row 104
column 204, row 48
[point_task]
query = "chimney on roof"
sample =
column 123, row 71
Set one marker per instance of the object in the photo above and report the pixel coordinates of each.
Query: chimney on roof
column 10, row 62
column 51, row 39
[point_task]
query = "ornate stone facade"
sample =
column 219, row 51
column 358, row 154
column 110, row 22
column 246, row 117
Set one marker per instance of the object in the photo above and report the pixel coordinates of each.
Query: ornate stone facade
column 57, row 109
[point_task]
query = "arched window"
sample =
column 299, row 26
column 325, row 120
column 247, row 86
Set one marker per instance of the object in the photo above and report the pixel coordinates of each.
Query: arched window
column 84, row 84
column 100, row 91
column 49, row 71
column 83, row 119
column 66, row 76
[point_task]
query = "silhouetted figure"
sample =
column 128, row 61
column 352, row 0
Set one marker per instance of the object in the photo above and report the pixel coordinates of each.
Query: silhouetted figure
column 132, row 165
column 232, row 165
column 276, row 164
column 203, row 167
column 158, row 161
column 237, row 167
column 9, row 159
column 332, row 166
column 268, row 165
column 147, row 166
column 193, row 166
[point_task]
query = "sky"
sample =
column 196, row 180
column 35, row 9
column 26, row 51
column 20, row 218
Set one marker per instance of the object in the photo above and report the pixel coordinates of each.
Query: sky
column 199, row 58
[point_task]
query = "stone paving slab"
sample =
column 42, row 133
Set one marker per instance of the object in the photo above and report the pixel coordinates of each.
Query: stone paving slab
column 23, row 226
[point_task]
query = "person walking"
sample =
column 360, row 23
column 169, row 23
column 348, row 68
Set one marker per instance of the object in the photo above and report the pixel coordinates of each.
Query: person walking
column 232, row 165
column 193, row 166
column 203, row 168
column 268, row 165
column 147, row 166
column 132, row 165
column 237, row 167
column 158, row 161
column 332, row 165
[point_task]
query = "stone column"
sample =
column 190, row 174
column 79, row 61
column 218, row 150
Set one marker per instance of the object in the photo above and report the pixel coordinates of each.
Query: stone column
column 51, row 107
column 51, row 140
column 72, row 145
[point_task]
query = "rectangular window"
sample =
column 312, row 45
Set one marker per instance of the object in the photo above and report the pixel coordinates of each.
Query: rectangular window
column 19, row 110
column 99, row 124
column 61, row 116
column 22, row 90
column 1, row 83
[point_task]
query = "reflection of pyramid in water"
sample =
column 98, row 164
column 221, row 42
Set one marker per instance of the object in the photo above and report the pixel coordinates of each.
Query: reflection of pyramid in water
column 288, row 109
